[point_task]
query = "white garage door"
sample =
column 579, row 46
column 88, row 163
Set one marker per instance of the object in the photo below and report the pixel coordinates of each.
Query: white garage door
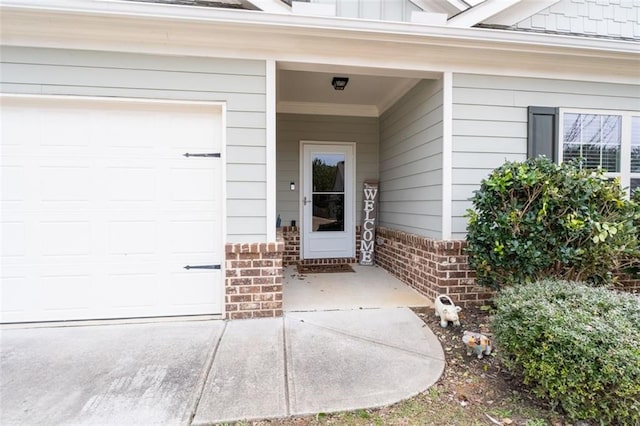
column 101, row 210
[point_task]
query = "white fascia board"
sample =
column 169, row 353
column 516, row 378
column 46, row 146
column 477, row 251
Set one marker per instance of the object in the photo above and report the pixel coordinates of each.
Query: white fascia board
column 365, row 30
column 348, row 69
column 480, row 13
column 519, row 12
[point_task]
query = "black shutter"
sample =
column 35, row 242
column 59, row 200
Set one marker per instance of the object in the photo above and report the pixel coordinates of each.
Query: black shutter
column 542, row 132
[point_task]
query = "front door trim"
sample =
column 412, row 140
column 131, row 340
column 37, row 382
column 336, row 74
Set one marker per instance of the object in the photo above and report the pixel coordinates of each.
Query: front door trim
column 347, row 247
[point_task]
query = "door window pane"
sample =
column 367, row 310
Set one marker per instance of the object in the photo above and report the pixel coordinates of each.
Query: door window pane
column 328, row 212
column 328, row 173
column 328, row 192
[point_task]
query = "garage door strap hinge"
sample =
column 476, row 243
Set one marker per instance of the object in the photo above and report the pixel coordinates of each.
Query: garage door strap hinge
column 210, row 155
column 202, row 267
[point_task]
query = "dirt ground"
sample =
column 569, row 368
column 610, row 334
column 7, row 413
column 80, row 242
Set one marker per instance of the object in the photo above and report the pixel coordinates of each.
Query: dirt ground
column 470, row 392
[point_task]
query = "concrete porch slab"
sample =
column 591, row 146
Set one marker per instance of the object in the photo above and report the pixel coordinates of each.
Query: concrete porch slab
column 369, row 287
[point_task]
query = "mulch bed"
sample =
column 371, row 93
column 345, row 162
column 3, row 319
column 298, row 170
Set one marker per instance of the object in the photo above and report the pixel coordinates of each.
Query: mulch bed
column 324, row 269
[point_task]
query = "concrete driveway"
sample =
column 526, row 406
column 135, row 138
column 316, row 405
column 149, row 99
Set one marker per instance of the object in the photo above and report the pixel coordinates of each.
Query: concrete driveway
column 204, row 372
column 114, row 374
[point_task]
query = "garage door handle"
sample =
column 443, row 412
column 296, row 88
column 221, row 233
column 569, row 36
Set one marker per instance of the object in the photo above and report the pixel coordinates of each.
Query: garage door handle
column 213, row 154
column 202, row 267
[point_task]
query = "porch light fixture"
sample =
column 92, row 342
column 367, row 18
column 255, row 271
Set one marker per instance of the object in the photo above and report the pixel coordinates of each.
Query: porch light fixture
column 339, row 83
column 292, row 186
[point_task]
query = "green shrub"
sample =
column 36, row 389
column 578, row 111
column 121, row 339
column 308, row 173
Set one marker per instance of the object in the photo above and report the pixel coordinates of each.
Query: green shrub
column 633, row 260
column 536, row 219
column 575, row 345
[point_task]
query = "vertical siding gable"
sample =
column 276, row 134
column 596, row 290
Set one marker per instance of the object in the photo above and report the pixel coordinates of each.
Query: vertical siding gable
column 382, row 10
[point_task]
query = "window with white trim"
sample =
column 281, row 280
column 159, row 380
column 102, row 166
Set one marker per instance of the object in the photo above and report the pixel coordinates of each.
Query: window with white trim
column 607, row 139
column 634, row 175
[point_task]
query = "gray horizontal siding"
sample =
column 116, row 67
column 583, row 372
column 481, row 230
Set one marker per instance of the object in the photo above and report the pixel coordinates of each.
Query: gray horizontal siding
column 235, row 101
column 61, row 75
column 239, row 83
column 411, row 162
column 490, row 123
column 86, row 58
column 292, row 128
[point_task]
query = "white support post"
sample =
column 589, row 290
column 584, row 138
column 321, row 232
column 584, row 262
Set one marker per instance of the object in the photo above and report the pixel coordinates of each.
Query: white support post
column 270, row 130
column 447, row 153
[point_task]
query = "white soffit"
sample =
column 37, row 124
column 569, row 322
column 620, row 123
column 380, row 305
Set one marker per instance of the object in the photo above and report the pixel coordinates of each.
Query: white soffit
column 308, row 92
column 480, row 13
column 394, row 95
column 519, row 12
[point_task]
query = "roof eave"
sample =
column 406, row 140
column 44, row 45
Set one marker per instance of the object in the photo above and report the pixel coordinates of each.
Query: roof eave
column 408, row 49
column 357, row 28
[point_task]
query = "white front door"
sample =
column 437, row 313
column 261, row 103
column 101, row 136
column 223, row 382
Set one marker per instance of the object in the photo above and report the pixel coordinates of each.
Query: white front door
column 102, row 211
column 328, row 176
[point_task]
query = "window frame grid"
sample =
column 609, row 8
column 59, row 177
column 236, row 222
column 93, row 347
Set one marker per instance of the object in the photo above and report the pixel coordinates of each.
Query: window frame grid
column 625, row 174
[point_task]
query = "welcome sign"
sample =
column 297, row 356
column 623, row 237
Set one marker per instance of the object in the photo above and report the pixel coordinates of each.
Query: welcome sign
column 369, row 223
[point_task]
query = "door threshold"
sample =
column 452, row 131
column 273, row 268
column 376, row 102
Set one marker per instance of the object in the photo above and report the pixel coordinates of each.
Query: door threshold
column 113, row 321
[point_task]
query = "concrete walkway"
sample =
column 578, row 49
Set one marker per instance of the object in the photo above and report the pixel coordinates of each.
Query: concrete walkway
column 204, row 372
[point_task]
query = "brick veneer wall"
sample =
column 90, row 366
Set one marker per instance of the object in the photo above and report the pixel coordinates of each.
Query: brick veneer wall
column 254, row 274
column 253, row 284
column 430, row 266
column 627, row 283
column 291, row 237
column 435, row 267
